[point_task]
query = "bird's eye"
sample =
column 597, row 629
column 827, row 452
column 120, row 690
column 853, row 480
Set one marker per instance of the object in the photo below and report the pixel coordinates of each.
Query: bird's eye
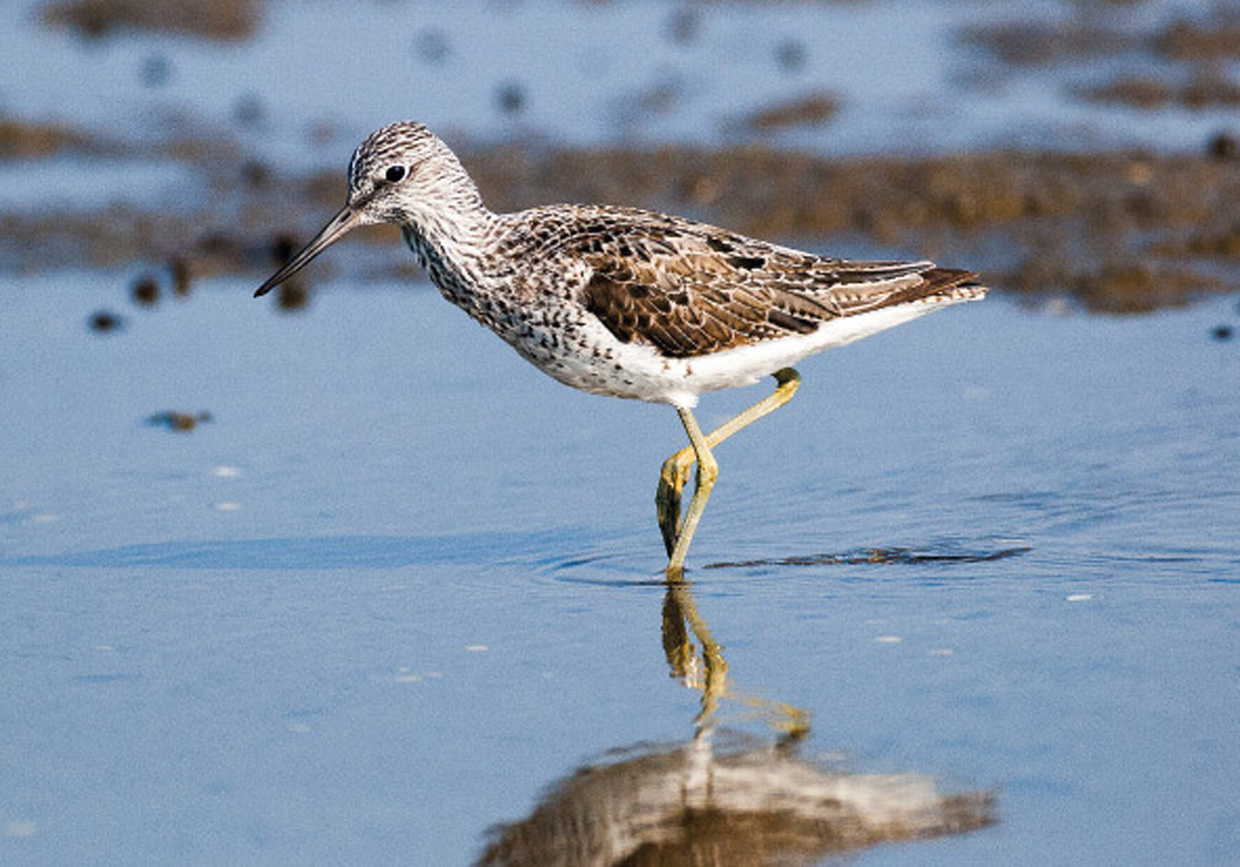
column 394, row 174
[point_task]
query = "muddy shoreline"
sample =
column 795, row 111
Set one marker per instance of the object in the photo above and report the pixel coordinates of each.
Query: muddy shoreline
column 1118, row 232
column 1110, row 230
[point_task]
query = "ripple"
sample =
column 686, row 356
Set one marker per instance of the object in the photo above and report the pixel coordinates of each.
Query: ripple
column 896, row 555
column 636, row 562
column 633, row 566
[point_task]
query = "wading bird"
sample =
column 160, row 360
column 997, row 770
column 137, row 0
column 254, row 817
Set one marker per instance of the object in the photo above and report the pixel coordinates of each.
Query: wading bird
column 629, row 303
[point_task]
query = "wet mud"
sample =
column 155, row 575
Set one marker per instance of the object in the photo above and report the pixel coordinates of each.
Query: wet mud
column 1214, row 36
column 1189, row 57
column 1117, row 232
column 208, row 19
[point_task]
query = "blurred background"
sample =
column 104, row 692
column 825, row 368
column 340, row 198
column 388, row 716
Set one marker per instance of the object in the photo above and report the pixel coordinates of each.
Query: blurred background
column 338, row 578
column 1079, row 149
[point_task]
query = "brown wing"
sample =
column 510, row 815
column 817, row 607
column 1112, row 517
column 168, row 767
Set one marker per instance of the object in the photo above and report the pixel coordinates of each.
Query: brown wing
column 690, row 290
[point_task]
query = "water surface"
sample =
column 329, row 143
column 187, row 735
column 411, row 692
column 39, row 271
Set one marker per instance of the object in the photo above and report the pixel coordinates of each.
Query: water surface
column 400, row 584
column 397, row 597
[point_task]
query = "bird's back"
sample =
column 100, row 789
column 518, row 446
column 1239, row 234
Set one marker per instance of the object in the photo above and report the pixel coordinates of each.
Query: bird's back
column 690, row 289
column 633, row 303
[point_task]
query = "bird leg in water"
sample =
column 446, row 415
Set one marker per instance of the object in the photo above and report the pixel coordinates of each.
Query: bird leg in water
column 678, row 535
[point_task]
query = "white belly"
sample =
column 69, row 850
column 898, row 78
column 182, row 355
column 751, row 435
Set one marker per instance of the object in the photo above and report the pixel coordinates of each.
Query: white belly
column 641, row 372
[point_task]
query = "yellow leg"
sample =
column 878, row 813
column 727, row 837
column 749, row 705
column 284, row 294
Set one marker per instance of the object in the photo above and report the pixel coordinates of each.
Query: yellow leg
column 677, row 535
column 707, row 472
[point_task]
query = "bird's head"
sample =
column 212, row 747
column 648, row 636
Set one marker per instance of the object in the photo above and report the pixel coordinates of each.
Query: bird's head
column 402, row 173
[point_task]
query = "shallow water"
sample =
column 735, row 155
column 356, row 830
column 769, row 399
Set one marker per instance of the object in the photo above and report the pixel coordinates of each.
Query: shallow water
column 400, row 584
column 397, row 588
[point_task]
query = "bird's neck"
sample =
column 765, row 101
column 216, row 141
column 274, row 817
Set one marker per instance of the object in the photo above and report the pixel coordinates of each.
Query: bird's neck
column 453, row 236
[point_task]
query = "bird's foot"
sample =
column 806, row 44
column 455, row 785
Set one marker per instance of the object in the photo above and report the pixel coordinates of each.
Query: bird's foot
column 672, row 480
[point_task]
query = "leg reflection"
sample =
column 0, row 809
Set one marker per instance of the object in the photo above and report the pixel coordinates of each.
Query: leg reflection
column 703, row 667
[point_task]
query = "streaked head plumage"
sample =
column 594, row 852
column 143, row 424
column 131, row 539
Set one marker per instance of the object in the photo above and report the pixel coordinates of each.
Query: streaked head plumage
column 402, row 173
column 397, row 144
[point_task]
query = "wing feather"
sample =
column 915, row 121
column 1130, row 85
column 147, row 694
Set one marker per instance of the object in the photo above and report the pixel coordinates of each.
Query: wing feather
column 689, row 289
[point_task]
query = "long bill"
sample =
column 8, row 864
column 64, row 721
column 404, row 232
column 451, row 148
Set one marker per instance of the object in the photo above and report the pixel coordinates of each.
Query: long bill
column 348, row 218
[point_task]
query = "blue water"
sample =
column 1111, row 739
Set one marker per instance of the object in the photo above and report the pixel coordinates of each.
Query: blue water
column 315, row 78
column 400, row 583
column 400, row 586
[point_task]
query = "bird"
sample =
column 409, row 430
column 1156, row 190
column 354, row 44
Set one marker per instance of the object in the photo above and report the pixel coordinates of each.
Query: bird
column 629, row 303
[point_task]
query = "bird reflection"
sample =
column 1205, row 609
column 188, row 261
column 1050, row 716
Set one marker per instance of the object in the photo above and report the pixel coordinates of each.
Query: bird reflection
column 721, row 797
